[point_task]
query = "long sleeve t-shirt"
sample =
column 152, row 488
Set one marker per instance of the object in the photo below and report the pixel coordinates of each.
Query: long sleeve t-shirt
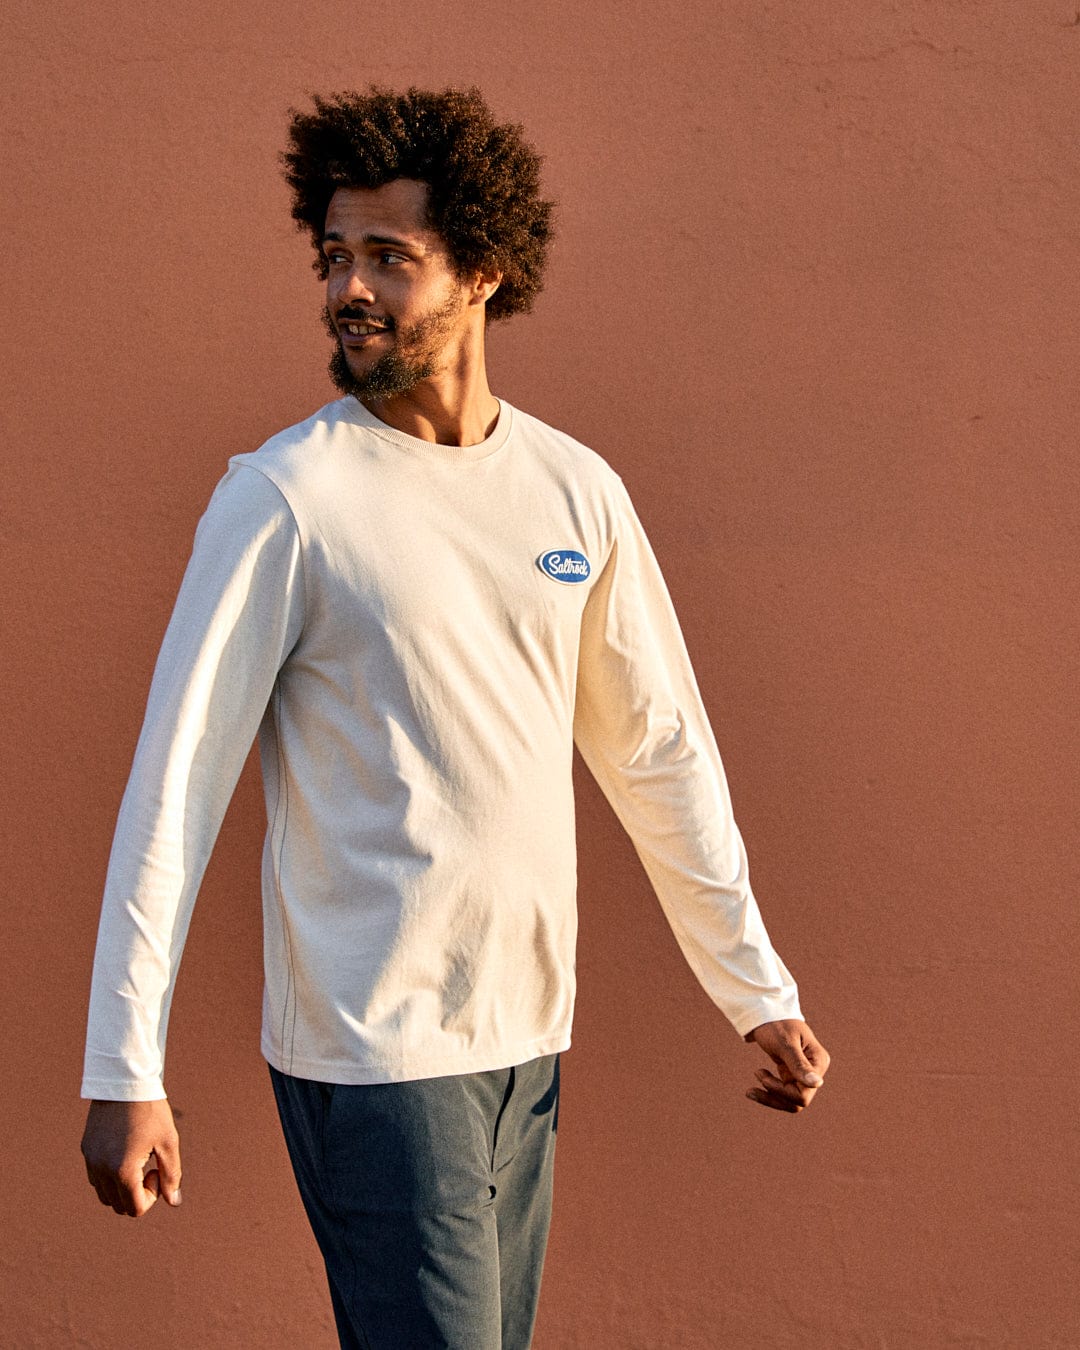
column 419, row 634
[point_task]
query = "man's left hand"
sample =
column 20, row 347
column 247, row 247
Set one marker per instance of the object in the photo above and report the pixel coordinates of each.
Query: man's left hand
column 800, row 1059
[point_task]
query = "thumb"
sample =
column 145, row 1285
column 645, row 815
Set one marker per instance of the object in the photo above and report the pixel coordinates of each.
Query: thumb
column 168, row 1173
column 800, row 1066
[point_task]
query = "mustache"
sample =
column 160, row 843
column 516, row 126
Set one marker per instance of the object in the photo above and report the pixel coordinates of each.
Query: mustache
column 351, row 314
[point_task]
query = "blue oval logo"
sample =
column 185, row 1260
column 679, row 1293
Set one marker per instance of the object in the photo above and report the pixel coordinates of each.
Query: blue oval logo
column 565, row 565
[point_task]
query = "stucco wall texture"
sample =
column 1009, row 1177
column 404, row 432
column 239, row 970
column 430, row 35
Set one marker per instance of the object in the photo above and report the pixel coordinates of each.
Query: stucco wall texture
column 815, row 295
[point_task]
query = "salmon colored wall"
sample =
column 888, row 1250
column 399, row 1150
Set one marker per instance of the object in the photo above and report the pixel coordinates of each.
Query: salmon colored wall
column 815, row 294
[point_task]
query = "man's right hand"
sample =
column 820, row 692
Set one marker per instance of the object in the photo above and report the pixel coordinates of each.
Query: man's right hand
column 120, row 1140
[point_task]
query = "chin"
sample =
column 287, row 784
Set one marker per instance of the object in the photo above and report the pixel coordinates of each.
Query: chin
column 389, row 376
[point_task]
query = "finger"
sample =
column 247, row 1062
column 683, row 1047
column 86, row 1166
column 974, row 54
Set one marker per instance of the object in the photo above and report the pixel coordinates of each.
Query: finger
column 112, row 1195
column 816, row 1053
column 777, row 1102
column 107, row 1195
column 789, row 1091
column 103, row 1183
column 790, row 1055
column 785, row 1087
column 135, row 1196
column 167, row 1157
column 783, row 1072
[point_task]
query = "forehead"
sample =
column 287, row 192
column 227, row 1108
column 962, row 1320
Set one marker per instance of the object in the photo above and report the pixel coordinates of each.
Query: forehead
column 398, row 208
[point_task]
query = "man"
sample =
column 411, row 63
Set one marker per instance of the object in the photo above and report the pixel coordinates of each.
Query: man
column 420, row 598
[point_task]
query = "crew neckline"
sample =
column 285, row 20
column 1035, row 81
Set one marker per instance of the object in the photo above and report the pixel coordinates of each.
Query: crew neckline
column 455, row 454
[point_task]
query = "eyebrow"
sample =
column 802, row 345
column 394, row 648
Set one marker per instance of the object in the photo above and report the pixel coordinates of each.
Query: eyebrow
column 335, row 237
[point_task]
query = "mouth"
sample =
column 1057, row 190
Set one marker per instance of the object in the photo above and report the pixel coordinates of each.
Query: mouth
column 354, row 332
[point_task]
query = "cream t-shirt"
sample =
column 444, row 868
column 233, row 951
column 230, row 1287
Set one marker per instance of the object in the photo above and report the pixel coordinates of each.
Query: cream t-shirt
column 419, row 634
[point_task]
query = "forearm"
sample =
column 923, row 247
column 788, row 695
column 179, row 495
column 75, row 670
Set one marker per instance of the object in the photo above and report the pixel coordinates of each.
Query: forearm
column 643, row 731
column 683, row 829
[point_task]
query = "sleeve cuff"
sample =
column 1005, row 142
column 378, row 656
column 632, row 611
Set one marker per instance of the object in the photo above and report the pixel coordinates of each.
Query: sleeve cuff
column 109, row 1090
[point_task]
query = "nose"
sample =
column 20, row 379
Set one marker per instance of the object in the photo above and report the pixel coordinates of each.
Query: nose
column 352, row 286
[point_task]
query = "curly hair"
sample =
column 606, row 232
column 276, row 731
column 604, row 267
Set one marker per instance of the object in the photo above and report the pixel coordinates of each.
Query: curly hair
column 483, row 178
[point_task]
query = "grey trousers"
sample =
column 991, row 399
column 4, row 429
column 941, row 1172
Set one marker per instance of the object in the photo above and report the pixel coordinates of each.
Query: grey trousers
column 430, row 1202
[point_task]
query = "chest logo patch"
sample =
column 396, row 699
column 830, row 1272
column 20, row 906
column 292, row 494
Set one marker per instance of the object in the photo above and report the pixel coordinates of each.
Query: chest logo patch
column 565, row 565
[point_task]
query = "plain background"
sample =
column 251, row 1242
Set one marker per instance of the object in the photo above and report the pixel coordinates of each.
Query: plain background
column 814, row 294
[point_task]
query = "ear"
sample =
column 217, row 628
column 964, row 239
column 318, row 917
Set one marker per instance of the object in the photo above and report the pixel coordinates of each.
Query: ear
column 484, row 286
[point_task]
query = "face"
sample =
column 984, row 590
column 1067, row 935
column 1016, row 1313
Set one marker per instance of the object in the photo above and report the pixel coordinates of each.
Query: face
column 396, row 309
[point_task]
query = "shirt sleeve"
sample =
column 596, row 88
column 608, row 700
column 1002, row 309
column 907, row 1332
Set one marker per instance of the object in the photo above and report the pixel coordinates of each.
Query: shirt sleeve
column 238, row 614
column 644, row 734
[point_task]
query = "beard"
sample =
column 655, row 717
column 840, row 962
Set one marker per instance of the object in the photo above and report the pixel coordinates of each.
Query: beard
column 414, row 356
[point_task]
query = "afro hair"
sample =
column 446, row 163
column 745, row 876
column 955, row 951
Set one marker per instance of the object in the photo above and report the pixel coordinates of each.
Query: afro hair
column 483, row 178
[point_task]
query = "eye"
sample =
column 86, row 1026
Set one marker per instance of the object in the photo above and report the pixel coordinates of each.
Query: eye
column 388, row 257
column 334, row 256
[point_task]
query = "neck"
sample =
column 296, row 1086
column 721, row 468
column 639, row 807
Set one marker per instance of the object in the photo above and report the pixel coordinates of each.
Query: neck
column 454, row 406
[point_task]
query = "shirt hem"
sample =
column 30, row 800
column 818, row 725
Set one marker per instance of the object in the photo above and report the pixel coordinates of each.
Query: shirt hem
column 357, row 1074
